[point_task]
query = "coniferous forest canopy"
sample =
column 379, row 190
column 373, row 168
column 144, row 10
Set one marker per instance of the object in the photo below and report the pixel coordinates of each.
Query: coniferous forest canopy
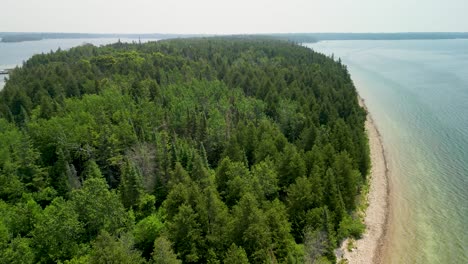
column 209, row 150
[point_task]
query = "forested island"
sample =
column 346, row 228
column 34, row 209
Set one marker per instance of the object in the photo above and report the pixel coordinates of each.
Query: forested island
column 206, row 150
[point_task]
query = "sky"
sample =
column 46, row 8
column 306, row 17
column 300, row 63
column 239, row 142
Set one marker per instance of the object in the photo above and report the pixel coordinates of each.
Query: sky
column 233, row 17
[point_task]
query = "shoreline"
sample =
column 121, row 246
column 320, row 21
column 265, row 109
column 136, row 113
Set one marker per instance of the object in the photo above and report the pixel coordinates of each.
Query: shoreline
column 370, row 248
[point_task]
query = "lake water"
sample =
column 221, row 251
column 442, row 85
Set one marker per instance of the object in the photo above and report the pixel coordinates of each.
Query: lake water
column 417, row 93
column 13, row 54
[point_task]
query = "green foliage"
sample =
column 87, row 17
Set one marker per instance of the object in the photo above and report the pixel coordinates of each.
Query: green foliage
column 236, row 255
column 131, row 186
column 19, row 251
column 146, row 231
column 99, row 209
column 302, row 197
column 348, row 179
column 351, row 227
column 109, row 249
column 351, row 245
column 215, row 221
column 265, row 180
column 291, row 166
column 4, row 235
column 185, row 231
column 163, row 253
column 57, row 232
column 204, row 150
column 251, row 228
column 23, row 216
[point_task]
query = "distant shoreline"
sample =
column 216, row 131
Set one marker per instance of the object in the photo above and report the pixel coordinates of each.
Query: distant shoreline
column 21, row 37
column 5, row 71
column 295, row 37
column 371, row 247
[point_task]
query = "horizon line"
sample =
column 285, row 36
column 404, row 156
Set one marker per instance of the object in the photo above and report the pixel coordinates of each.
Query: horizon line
column 237, row 33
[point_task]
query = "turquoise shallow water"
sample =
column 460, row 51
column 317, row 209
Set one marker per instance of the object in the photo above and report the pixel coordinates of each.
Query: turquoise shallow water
column 417, row 93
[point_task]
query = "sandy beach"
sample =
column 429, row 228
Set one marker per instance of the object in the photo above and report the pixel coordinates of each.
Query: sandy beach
column 369, row 249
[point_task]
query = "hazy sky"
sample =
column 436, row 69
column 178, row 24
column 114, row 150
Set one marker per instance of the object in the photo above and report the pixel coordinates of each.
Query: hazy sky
column 234, row 16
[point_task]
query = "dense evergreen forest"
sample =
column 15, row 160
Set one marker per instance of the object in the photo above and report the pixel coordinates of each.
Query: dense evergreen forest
column 207, row 150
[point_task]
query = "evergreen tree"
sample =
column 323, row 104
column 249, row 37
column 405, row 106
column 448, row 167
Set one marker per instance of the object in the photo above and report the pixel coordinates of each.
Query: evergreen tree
column 131, row 186
column 236, row 255
column 57, row 232
column 108, row 249
column 163, row 253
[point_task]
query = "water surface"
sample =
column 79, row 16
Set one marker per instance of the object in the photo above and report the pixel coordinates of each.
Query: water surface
column 417, row 93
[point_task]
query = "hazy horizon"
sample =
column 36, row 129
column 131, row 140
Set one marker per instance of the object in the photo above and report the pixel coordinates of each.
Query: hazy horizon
column 229, row 17
column 221, row 34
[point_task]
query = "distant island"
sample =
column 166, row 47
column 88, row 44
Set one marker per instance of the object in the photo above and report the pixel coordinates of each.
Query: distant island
column 295, row 37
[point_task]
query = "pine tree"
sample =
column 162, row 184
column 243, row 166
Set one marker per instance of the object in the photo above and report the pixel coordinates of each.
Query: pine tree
column 131, row 186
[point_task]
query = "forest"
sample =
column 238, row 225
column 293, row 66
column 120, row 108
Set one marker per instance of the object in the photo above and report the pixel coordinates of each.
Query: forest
column 203, row 150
